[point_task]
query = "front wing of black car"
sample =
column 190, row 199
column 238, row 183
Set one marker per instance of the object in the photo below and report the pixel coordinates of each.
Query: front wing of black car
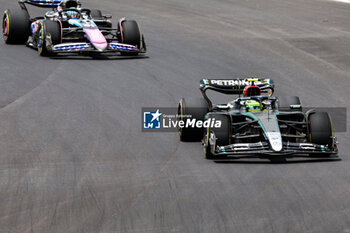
column 263, row 149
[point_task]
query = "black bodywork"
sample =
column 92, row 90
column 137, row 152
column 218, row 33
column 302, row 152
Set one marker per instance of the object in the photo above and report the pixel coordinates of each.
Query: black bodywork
column 258, row 133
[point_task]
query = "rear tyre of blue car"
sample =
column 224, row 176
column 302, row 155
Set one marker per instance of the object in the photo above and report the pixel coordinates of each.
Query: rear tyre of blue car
column 96, row 14
column 321, row 131
column 188, row 109
column 15, row 26
column 53, row 29
column 222, row 134
column 131, row 35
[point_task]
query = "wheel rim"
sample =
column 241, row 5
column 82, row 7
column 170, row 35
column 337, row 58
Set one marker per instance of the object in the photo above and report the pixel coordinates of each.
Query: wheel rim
column 41, row 40
column 181, row 113
column 5, row 27
column 206, row 147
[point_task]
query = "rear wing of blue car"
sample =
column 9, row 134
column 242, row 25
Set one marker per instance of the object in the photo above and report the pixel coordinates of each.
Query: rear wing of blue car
column 40, row 3
column 235, row 86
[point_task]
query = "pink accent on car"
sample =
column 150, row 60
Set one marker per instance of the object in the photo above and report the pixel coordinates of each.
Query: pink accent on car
column 121, row 28
column 96, row 38
column 61, row 29
column 34, row 27
column 5, row 27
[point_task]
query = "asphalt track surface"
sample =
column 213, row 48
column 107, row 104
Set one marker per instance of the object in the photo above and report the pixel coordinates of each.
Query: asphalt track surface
column 73, row 158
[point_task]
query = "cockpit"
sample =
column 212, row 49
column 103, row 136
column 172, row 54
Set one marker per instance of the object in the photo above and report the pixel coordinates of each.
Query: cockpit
column 252, row 100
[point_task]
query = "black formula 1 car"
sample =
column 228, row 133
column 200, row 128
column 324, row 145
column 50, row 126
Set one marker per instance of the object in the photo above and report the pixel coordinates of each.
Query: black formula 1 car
column 68, row 28
column 255, row 124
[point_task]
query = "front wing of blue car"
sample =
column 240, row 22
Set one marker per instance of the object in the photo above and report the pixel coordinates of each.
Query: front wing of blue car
column 87, row 47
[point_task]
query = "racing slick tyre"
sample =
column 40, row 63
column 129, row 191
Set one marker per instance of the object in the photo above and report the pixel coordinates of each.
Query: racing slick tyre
column 144, row 46
column 15, row 26
column 130, row 34
column 96, row 14
column 222, row 134
column 320, row 131
column 52, row 28
column 284, row 103
column 197, row 108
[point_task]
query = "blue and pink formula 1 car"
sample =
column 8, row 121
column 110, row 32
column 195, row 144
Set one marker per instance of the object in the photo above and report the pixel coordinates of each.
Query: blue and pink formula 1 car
column 68, row 28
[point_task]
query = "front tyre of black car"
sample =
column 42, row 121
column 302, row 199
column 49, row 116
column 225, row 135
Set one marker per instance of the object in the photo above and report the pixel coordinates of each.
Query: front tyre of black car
column 320, row 131
column 207, row 148
column 222, row 134
column 188, row 109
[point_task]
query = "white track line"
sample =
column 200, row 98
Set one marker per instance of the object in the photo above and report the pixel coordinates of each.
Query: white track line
column 345, row 1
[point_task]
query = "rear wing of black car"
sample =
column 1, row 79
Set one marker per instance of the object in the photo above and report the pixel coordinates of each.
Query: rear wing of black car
column 40, row 3
column 235, row 86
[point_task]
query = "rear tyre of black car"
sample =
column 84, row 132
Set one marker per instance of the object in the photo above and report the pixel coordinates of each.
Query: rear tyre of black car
column 15, row 26
column 131, row 35
column 197, row 108
column 222, row 134
column 284, row 103
column 321, row 131
column 52, row 28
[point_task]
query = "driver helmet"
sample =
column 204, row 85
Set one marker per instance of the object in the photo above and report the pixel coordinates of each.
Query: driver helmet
column 72, row 15
column 251, row 91
column 66, row 4
column 252, row 105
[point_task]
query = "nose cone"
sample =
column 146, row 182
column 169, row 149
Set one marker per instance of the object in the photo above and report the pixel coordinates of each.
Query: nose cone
column 275, row 139
column 97, row 39
column 101, row 46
